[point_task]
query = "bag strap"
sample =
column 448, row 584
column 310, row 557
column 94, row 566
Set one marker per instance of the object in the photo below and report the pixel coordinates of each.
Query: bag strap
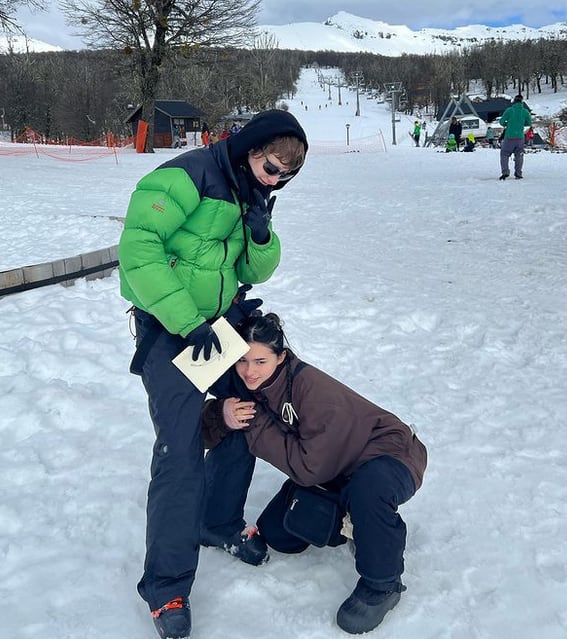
column 291, row 375
column 145, row 346
column 300, row 366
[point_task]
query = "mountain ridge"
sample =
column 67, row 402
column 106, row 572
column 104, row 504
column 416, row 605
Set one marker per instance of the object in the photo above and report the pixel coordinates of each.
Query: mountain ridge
column 345, row 32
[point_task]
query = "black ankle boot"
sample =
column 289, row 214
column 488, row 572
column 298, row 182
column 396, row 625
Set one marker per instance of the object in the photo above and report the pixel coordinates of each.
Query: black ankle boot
column 366, row 607
column 173, row 620
column 248, row 546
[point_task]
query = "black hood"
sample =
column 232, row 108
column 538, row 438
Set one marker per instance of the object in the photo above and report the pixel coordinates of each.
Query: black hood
column 262, row 129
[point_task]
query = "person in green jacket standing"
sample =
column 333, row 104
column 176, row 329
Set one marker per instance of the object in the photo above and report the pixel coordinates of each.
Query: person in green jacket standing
column 514, row 119
column 197, row 234
column 416, row 132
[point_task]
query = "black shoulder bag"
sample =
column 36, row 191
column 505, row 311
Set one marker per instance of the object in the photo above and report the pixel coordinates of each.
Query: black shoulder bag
column 313, row 513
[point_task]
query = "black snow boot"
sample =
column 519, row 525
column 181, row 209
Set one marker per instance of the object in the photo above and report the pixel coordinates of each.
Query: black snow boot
column 248, row 546
column 366, row 607
column 504, row 176
column 173, row 619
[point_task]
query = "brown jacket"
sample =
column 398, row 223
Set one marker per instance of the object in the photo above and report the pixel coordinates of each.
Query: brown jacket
column 335, row 431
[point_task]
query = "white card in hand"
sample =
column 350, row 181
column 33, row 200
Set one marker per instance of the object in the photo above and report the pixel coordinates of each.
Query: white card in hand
column 203, row 373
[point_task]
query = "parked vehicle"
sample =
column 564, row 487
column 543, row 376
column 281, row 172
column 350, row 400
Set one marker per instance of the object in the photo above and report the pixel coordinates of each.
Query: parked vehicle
column 470, row 123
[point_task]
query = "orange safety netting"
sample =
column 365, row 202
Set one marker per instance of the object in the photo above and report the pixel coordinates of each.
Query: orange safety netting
column 69, row 149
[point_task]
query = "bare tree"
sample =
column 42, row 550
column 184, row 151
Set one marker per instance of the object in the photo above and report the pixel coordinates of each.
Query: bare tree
column 150, row 30
column 261, row 82
column 8, row 10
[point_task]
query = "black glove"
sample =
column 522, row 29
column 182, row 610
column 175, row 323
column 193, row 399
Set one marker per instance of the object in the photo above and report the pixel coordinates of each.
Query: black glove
column 242, row 308
column 258, row 217
column 203, row 338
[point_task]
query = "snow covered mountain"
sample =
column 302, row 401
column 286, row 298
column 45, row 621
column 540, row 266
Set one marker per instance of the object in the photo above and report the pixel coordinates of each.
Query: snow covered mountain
column 23, row 44
column 349, row 33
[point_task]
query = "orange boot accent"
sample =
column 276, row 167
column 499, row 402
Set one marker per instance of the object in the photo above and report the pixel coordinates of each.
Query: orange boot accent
column 170, row 605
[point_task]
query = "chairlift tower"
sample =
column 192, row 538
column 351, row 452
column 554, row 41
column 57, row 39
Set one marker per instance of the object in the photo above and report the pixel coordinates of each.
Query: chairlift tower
column 357, row 78
column 393, row 88
column 337, row 81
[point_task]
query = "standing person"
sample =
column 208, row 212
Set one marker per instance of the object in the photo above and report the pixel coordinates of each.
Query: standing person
column 342, row 453
column 175, row 138
column 490, row 137
column 195, row 227
column 530, row 136
column 456, row 128
column 515, row 119
column 205, row 134
column 416, row 132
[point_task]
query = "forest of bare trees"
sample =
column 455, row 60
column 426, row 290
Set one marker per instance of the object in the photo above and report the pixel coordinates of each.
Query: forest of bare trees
column 502, row 67
column 87, row 93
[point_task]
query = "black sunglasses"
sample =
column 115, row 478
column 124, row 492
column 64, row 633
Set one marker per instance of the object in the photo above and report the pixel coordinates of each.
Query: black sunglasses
column 271, row 169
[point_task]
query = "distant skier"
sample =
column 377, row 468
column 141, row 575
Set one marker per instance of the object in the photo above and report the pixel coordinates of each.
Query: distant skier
column 416, row 132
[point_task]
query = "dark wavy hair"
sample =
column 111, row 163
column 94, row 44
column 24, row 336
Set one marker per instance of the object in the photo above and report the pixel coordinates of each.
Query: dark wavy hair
column 264, row 329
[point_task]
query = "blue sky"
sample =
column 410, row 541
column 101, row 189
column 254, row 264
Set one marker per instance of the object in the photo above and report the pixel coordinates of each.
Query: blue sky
column 50, row 27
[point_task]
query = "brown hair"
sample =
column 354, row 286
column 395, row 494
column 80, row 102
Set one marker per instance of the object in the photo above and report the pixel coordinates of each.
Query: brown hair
column 289, row 150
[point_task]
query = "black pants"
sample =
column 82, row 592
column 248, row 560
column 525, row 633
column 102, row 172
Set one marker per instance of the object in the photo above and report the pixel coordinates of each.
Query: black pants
column 185, row 491
column 371, row 496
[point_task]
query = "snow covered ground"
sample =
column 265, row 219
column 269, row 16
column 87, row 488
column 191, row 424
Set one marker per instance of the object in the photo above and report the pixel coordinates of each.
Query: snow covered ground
column 414, row 276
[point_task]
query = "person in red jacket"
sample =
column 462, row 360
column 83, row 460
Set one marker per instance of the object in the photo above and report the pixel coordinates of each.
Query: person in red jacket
column 350, row 462
column 530, row 136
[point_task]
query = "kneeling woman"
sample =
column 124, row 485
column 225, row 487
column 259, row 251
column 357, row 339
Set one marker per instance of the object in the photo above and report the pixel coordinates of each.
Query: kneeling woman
column 352, row 456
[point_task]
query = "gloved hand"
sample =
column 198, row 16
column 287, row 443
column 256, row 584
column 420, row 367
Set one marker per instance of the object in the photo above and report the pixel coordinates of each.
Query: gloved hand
column 242, row 308
column 258, row 217
column 203, row 338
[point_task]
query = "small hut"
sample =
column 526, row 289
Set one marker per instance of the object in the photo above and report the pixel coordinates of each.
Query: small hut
column 170, row 115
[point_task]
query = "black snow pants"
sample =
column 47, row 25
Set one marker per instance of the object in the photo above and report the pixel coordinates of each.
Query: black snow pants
column 185, row 491
column 371, row 497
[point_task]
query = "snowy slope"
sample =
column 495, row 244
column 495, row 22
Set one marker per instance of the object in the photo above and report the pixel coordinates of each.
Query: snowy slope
column 414, row 276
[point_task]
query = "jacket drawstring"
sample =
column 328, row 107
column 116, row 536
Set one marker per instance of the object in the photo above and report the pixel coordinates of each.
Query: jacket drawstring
column 244, row 231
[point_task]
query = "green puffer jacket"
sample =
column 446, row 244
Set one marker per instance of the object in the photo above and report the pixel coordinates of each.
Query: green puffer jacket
column 515, row 118
column 183, row 250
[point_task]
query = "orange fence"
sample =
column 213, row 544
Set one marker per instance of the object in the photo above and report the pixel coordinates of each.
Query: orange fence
column 68, row 149
column 108, row 140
